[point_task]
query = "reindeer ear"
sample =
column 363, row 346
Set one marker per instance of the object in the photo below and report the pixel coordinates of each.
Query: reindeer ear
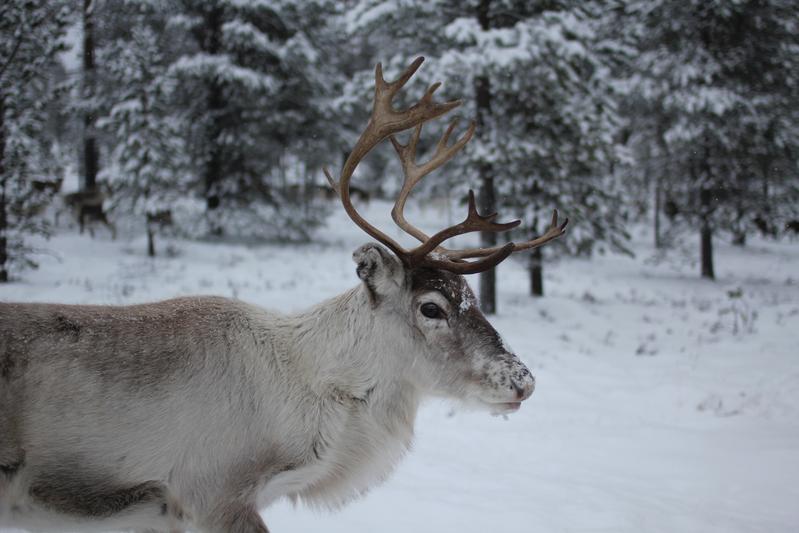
column 379, row 269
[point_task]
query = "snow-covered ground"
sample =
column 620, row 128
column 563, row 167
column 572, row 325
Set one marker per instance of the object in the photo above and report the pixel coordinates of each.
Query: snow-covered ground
column 664, row 403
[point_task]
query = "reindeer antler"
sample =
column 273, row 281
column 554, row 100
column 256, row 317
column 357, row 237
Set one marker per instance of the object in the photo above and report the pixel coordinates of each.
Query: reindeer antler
column 385, row 122
column 414, row 173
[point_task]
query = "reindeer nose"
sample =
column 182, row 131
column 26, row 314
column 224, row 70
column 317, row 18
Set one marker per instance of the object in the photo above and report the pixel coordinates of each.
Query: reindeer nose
column 524, row 387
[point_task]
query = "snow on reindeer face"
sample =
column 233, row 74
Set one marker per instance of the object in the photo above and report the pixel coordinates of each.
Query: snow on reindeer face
column 472, row 361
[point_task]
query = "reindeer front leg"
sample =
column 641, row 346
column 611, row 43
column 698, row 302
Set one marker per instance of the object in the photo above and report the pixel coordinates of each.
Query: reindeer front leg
column 234, row 517
column 11, row 455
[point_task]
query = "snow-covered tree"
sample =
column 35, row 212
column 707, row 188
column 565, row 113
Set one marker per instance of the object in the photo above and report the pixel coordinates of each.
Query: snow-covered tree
column 248, row 83
column 30, row 37
column 147, row 168
column 716, row 88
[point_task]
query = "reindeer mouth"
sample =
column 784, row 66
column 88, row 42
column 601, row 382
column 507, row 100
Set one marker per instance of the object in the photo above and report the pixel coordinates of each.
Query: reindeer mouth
column 512, row 406
column 503, row 408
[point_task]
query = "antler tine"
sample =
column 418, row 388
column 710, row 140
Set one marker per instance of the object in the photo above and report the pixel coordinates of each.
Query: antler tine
column 474, row 222
column 453, row 260
column 414, row 172
column 443, row 152
column 470, row 267
column 391, row 88
column 386, row 120
column 331, row 181
column 554, row 231
column 407, row 154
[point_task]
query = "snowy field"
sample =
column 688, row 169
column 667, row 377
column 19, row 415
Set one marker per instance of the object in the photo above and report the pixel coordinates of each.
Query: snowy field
column 664, row 403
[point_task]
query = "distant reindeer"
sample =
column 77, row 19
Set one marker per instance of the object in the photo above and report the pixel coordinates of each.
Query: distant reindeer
column 196, row 412
column 41, row 192
column 87, row 206
column 48, row 186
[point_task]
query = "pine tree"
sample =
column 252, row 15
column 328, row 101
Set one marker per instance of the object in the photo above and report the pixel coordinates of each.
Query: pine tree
column 30, row 37
column 147, row 168
column 248, row 84
column 716, row 84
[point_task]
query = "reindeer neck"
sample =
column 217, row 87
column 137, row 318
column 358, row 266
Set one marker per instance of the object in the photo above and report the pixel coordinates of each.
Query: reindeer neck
column 344, row 345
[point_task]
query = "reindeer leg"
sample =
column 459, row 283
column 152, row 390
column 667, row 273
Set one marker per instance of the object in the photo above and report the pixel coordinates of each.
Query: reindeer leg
column 234, row 517
column 12, row 456
column 12, row 459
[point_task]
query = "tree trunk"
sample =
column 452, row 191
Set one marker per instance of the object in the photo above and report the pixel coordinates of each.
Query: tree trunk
column 706, row 235
column 488, row 239
column 3, row 230
column 90, row 157
column 487, row 196
column 3, row 181
column 536, row 273
column 213, row 168
column 738, row 227
column 658, row 208
column 216, row 104
column 663, row 150
column 150, row 242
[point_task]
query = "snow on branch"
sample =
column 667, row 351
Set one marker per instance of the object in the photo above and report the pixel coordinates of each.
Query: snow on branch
column 222, row 68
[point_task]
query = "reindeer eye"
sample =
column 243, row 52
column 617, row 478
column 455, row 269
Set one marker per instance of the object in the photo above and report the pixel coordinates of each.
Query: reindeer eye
column 431, row 310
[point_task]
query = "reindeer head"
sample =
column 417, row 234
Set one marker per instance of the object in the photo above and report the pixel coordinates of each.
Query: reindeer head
column 465, row 355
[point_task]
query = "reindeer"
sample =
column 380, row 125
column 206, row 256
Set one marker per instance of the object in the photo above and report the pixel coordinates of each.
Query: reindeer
column 50, row 187
column 196, row 412
column 87, row 205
